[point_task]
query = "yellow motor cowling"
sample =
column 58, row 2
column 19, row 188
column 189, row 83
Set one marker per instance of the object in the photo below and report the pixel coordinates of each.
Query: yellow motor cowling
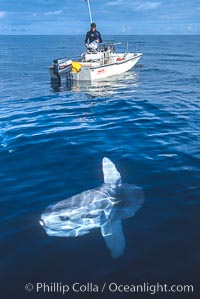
column 76, row 66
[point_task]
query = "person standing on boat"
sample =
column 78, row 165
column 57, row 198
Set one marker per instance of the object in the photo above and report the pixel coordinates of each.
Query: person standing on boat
column 93, row 35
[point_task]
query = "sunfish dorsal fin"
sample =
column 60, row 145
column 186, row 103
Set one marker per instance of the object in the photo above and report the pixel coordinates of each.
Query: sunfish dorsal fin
column 110, row 173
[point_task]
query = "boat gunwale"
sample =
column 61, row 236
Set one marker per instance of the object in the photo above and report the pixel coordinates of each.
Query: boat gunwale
column 114, row 63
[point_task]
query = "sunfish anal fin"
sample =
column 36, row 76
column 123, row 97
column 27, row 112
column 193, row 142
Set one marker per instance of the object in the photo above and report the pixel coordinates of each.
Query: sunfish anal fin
column 114, row 237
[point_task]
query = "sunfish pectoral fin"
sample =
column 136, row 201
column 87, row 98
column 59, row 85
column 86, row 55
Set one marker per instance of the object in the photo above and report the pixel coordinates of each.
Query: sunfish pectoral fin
column 114, row 237
column 110, row 173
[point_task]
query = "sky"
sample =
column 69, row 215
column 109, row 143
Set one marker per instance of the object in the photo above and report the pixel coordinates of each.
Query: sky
column 114, row 17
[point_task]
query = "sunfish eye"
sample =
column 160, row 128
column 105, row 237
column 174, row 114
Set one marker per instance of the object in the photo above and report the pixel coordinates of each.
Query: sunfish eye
column 64, row 218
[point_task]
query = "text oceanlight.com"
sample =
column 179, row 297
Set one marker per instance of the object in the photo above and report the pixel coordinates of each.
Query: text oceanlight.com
column 111, row 287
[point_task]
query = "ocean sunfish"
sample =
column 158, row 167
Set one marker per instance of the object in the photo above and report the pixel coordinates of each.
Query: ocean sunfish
column 103, row 207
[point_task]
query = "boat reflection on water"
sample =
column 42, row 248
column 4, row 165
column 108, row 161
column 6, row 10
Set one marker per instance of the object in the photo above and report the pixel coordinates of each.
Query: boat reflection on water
column 109, row 88
column 106, row 87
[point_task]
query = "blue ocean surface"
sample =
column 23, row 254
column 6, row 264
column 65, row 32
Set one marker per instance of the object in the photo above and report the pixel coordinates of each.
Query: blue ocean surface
column 52, row 141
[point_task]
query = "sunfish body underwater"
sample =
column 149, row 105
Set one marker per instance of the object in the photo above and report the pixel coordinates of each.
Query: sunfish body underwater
column 103, row 207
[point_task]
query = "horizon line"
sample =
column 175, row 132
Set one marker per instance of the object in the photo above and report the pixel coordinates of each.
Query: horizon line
column 136, row 34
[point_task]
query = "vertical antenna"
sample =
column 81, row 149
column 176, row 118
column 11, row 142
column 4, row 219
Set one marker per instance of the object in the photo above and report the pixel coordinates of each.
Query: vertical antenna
column 89, row 9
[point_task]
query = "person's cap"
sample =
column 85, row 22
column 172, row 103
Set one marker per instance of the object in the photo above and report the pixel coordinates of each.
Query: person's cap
column 93, row 25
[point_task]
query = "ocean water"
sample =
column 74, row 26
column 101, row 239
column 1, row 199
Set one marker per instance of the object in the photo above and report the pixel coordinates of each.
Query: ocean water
column 52, row 141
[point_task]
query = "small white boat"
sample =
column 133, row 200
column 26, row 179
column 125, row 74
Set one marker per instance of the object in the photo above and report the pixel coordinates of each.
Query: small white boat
column 96, row 63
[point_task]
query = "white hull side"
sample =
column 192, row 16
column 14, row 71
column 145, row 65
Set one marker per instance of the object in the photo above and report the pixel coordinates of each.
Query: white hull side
column 101, row 72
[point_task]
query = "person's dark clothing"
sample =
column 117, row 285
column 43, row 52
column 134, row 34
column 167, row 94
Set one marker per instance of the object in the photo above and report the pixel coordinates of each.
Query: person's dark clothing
column 92, row 36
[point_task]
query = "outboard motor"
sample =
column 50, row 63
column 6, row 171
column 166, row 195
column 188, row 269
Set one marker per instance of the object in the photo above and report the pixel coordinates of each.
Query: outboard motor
column 56, row 67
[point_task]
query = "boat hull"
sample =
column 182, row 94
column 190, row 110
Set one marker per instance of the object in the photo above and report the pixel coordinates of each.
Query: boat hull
column 100, row 72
